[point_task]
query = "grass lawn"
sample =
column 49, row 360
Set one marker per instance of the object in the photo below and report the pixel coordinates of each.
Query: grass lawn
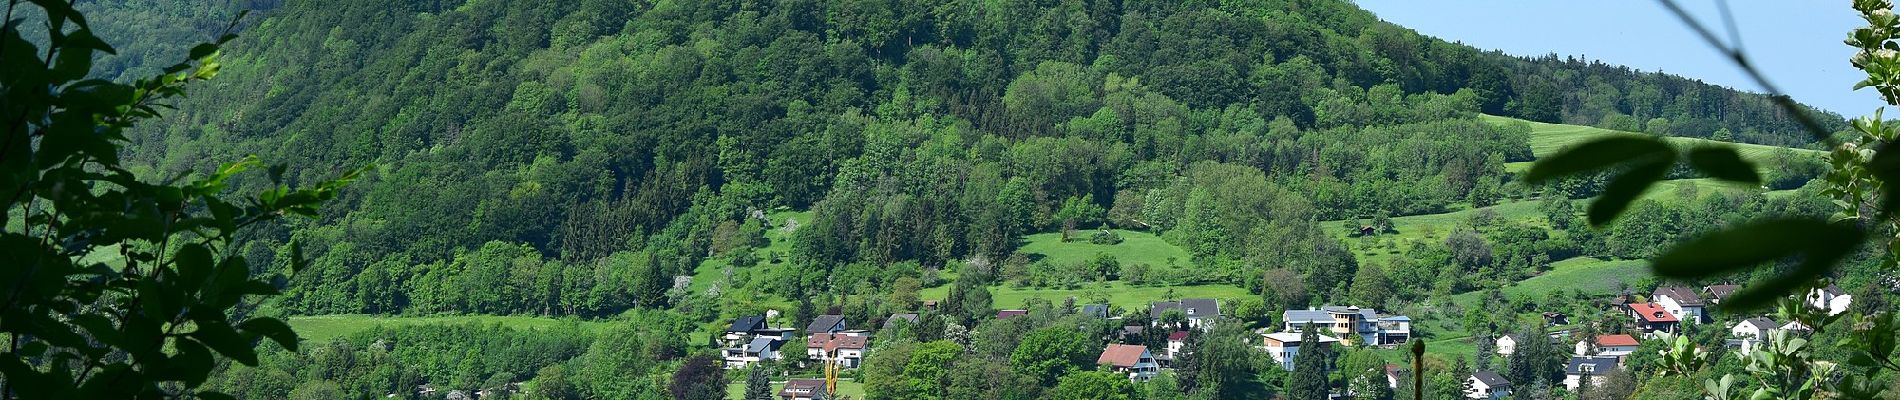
column 713, row 269
column 1119, row 294
column 1135, row 248
column 325, row 327
column 1548, row 138
column 1590, row 275
column 1430, row 228
column 736, row 389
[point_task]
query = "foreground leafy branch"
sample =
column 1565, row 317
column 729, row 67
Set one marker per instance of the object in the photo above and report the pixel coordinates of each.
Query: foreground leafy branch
column 112, row 286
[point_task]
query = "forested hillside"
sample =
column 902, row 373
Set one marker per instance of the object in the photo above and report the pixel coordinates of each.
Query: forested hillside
column 580, row 158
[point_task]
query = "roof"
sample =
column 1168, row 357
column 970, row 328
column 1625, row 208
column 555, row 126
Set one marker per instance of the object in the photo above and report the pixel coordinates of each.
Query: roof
column 1011, row 313
column 1833, row 290
column 1396, row 318
column 1616, row 340
column 1681, row 295
column 1293, row 338
column 888, row 322
column 1122, row 355
column 1298, row 317
column 1652, row 312
column 1177, row 336
column 1490, row 379
column 1194, row 308
column 1602, row 365
column 1133, row 329
column 1720, row 292
column 825, row 323
column 1761, row 323
column 801, row 387
column 747, row 324
column 1365, row 313
column 832, row 342
column 761, row 343
column 1393, row 370
column 1095, row 310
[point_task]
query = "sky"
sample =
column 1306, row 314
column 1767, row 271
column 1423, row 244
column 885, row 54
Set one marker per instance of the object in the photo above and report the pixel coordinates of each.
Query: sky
column 1796, row 43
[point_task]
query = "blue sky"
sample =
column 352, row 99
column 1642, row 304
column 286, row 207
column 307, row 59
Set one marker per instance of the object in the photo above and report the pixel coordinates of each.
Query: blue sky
column 1797, row 43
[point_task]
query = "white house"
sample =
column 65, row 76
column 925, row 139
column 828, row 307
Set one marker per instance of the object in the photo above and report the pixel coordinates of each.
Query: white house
column 1353, row 325
column 1487, row 385
column 1830, row 298
column 760, row 349
column 1176, row 342
column 1753, row 328
column 1506, row 345
column 843, row 349
column 1284, row 346
column 1201, row 313
column 1595, row 369
column 1134, row 360
column 1614, row 346
column 1681, row 302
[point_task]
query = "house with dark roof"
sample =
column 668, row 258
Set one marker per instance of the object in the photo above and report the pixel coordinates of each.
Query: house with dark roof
column 742, row 330
column 891, row 321
column 1201, row 313
column 1595, row 369
column 803, row 389
column 1487, row 385
column 1134, row 360
column 1719, row 292
column 1652, row 317
column 760, row 349
column 828, row 323
column 1095, row 310
column 1681, row 302
column 1007, row 314
column 1753, row 328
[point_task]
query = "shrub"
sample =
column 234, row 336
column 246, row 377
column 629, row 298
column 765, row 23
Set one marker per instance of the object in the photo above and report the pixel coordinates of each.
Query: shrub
column 1105, row 237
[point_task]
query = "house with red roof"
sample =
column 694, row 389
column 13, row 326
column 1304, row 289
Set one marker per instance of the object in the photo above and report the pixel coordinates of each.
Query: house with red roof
column 1176, row 342
column 1134, row 360
column 1617, row 346
column 1652, row 317
column 846, row 350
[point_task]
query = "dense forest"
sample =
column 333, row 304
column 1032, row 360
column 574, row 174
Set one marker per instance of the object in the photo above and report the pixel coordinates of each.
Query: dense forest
column 573, row 158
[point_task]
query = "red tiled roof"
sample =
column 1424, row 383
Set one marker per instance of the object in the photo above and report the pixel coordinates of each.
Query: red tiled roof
column 1617, row 340
column 1652, row 312
column 1122, row 355
column 832, row 342
column 1177, row 336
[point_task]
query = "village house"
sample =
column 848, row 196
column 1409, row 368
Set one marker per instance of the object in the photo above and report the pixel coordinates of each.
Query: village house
column 892, row 321
column 1284, row 346
column 1753, row 328
column 749, row 340
column 1007, row 314
column 1392, row 374
column 803, row 389
column 1134, row 360
column 1596, row 369
column 1717, row 293
column 1681, row 302
column 828, row 323
column 1487, row 385
column 1095, row 311
column 1176, row 342
column 1201, row 313
column 1830, row 298
column 845, row 349
column 1652, row 317
column 1612, row 346
column 1506, row 345
column 1353, row 325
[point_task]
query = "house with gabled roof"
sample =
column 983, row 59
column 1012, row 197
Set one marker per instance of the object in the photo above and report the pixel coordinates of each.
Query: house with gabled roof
column 1754, row 328
column 1681, row 302
column 1617, row 346
column 1007, row 314
column 1596, row 369
column 802, row 389
column 1134, row 360
column 892, row 321
column 1284, row 346
column 1652, row 317
column 1487, row 385
column 1201, row 313
column 843, row 349
column 1177, row 342
column 828, row 323
column 1717, row 293
column 1830, row 298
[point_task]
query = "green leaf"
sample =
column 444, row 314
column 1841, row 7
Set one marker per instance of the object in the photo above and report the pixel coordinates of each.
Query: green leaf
column 1886, row 166
column 1598, row 155
column 1723, row 163
column 194, row 263
column 215, row 396
column 1822, row 245
column 272, row 328
column 218, row 335
column 1625, row 189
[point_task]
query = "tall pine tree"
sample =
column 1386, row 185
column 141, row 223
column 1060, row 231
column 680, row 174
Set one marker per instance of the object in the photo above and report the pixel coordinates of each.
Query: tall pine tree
column 758, row 386
column 1309, row 367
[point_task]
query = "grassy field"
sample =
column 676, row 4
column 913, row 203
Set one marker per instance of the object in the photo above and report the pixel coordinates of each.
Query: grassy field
column 712, row 269
column 736, row 389
column 326, row 327
column 1427, row 228
column 1135, row 248
column 1119, row 294
column 1590, row 275
column 1548, row 138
